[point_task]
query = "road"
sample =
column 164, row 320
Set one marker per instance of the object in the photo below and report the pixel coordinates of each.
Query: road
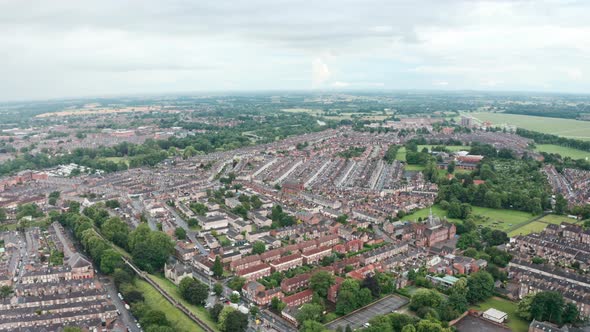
column 276, row 322
column 192, row 235
column 125, row 316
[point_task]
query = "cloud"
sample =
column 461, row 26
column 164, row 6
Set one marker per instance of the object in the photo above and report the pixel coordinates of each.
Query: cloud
column 339, row 84
column 70, row 48
column 320, row 73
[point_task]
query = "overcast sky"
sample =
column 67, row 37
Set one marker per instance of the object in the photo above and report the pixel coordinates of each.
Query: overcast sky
column 52, row 49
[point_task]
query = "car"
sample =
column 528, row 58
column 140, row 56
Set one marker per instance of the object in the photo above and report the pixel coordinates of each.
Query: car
column 367, row 325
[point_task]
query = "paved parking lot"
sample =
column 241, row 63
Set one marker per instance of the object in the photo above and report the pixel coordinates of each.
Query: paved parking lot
column 360, row 317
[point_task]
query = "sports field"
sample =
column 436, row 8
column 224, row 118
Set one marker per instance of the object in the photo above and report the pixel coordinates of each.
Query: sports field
column 563, row 151
column 561, row 127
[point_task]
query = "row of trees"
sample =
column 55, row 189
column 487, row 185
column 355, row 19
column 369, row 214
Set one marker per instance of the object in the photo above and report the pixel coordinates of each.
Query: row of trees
column 548, row 306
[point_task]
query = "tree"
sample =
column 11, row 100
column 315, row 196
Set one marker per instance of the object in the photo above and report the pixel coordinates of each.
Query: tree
column 547, row 306
column 570, row 313
column 312, row 326
column 180, row 233
column 215, row 311
column 425, row 298
column 152, row 252
column 223, row 316
column 121, row 276
column 458, row 296
column 258, row 247
column 277, row 304
column 194, row 291
column 217, row 267
column 235, row 322
column 109, row 260
column 320, row 282
column 409, row 328
column 310, row 311
column 5, row 291
column 372, row 284
column 154, row 317
column 560, row 204
column 116, row 230
column 236, row 283
column 218, row 289
column 451, row 167
column 524, row 307
column 481, row 286
column 2, row 214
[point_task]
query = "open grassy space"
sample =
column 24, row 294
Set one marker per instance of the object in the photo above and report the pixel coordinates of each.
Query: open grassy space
column 539, row 225
column 501, row 219
column 172, row 289
column 154, row 300
column 516, row 323
column 534, row 227
column 563, row 151
column 561, row 127
column 401, row 154
column 556, row 219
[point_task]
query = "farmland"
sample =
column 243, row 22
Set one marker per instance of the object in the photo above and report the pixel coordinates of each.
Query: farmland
column 563, row 151
column 560, row 127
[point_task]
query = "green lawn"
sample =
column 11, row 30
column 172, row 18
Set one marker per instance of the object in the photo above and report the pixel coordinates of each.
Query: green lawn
column 172, row 289
column 154, row 300
column 516, row 323
column 561, row 127
column 401, row 154
column 539, row 225
column 556, row 219
column 563, row 151
column 534, row 227
column 501, row 219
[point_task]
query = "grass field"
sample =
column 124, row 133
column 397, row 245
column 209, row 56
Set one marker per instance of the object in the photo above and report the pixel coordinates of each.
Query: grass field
column 501, row 219
column 539, row 225
column 534, row 227
column 561, row 127
column 516, row 323
column 172, row 289
column 154, row 300
column 375, row 116
column 563, row 151
column 401, row 154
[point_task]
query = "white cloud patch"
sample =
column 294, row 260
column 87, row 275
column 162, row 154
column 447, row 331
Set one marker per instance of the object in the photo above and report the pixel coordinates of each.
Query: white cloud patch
column 320, row 73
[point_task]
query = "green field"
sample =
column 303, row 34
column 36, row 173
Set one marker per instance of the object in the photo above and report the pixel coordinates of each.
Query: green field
column 563, row 151
column 154, row 300
column 561, row 127
column 539, row 225
column 555, row 219
column 172, row 289
column 401, row 154
column 501, row 219
column 516, row 323
column 374, row 116
column 534, row 227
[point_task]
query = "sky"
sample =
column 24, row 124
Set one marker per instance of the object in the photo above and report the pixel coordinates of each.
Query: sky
column 53, row 49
